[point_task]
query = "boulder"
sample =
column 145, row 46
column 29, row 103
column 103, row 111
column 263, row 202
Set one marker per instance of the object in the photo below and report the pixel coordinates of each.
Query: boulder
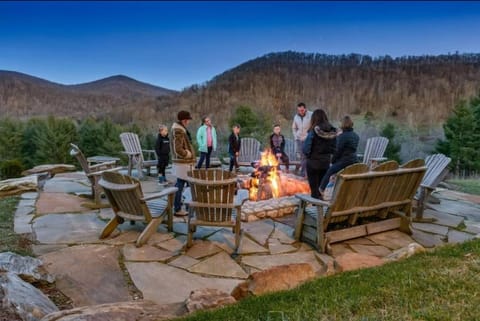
column 52, row 169
column 16, row 186
column 20, row 297
column 202, row 299
column 405, row 252
column 28, row 268
column 278, row 278
column 141, row 310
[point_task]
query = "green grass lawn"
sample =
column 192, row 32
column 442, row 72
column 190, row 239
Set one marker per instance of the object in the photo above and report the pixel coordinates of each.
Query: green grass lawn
column 9, row 241
column 441, row 285
column 470, row 186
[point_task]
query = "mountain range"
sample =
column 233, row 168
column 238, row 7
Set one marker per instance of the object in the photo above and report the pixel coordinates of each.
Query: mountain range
column 418, row 90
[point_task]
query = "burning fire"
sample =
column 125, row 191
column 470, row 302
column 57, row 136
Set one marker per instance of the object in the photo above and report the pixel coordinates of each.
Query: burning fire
column 266, row 181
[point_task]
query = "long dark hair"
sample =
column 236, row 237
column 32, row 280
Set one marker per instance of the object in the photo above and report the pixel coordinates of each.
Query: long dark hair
column 320, row 119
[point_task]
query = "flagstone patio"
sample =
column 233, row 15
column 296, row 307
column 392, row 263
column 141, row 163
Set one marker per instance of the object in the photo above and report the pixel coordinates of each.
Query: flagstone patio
column 92, row 271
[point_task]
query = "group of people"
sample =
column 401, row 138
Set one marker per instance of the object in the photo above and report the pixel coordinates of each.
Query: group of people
column 324, row 150
column 183, row 153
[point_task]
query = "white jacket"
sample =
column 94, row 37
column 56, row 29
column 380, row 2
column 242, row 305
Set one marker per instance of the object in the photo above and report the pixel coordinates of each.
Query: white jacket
column 301, row 125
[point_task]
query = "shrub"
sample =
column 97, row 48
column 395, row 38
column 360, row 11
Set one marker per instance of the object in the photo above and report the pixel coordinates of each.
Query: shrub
column 11, row 169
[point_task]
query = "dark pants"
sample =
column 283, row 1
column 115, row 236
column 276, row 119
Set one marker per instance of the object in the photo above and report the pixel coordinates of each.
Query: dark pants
column 180, row 184
column 335, row 168
column 205, row 157
column 233, row 162
column 285, row 161
column 162, row 165
column 314, row 176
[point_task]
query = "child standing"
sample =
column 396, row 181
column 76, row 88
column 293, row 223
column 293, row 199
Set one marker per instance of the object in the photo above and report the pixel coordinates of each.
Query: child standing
column 162, row 149
column 234, row 145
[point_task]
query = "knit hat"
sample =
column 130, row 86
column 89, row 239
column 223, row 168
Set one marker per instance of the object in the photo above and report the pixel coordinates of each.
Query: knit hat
column 182, row 115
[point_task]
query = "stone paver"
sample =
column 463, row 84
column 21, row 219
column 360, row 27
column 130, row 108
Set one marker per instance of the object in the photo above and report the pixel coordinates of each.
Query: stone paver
column 88, row 274
column 431, row 228
column 30, row 195
column 184, row 262
column 427, row 240
column 22, row 224
column 68, row 228
column 259, row 230
column 263, row 262
column 444, row 219
column 162, row 283
column 354, row 261
column 375, row 250
column 467, row 210
column 276, row 247
column 472, row 227
column 146, row 253
column 67, row 186
column 24, row 210
column 361, row 241
column 340, row 248
column 174, row 245
column 49, row 203
column 455, row 236
column 26, row 202
column 220, row 264
column 202, row 249
column 391, row 239
column 226, row 240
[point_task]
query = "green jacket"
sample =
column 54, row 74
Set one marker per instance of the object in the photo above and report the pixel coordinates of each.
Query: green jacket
column 202, row 138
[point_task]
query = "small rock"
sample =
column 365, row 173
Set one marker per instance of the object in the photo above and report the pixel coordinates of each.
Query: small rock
column 202, row 299
column 404, row 252
column 28, row 268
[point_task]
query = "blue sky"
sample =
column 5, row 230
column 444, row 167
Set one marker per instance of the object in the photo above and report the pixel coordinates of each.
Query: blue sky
column 177, row 44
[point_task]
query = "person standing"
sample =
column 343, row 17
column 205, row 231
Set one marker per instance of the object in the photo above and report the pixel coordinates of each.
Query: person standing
column 162, row 149
column 277, row 146
column 234, row 145
column 300, row 126
column 207, row 141
column 345, row 153
column 183, row 157
column 318, row 149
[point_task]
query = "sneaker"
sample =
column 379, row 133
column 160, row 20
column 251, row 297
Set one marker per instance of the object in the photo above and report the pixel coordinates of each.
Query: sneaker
column 181, row 213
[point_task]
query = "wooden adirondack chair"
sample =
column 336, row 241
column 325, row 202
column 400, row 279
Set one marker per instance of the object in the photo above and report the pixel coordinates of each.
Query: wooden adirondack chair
column 437, row 169
column 374, row 150
column 214, row 201
column 128, row 202
column 135, row 154
column 93, row 172
column 291, row 151
column 249, row 151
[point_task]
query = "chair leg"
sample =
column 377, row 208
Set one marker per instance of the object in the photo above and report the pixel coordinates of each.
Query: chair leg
column 191, row 230
column 110, row 227
column 148, row 231
column 299, row 221
column 421, row 207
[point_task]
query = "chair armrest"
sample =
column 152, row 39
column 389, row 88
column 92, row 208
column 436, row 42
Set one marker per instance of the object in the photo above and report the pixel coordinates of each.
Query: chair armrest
column 130, row 153
column 165, row 192
column 308, row 199
column 99, row 173
column 104, row 164
column 431, row 188
column 241, row 197
column 150, row 152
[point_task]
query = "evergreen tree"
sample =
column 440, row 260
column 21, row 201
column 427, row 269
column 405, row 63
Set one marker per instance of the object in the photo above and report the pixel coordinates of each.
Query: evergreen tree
column 462, row 136
column 393, row 149
column 10, row 139
column 252, row 124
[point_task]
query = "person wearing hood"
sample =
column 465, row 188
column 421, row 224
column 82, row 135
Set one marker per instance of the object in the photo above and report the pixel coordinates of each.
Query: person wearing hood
column 318, row 149
column 345, row 153
column 183, row 157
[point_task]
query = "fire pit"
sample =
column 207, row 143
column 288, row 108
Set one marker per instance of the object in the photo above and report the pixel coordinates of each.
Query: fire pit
column 271, row 191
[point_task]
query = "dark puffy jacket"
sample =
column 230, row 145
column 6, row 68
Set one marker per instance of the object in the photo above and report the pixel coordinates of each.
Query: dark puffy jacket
column 162, row 146
column 347, row 144
column 320, row 145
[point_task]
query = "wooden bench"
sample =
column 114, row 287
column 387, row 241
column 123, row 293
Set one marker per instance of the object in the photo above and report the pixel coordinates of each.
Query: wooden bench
column 364, row 202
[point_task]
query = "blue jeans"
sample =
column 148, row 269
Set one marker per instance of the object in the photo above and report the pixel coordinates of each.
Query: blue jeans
column 303, row 158
column 335, row 168
column 180, row 184
column 205, row 157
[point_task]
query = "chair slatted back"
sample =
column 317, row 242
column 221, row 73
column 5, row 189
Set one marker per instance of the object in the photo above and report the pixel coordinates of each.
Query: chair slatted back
column 213, row 194
column 375, row 148
column 363, row 193
column 291, row 150
column 131, row 144
column 249, row 150
column 124, row 194
column 436, row 169
column 77, row 153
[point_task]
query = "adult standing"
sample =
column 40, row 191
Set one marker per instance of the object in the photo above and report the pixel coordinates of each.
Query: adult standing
column 183, row 156
column 318, row 149
column 300, row 126
column 207, row 141
column 345, row 153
